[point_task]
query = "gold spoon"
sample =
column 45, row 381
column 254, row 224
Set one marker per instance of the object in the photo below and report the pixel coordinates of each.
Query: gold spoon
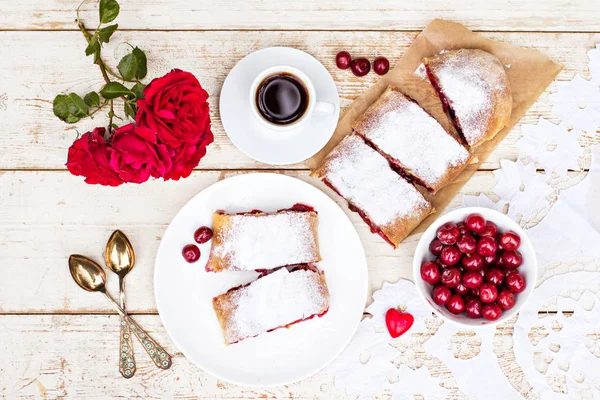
column 90, row 276
column 120, row 259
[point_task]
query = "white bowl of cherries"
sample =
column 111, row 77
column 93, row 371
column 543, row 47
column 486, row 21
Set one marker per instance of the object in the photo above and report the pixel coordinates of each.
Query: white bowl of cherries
column 475, row 266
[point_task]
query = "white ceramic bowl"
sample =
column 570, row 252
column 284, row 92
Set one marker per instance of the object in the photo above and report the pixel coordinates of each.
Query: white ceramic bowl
column 528, row 269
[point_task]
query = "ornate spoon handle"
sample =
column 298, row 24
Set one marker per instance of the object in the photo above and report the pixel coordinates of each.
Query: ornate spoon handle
column 127, row 366
column 161, row 358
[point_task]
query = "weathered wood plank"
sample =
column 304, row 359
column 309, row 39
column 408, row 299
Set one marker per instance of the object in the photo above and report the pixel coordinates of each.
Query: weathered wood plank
column 48, row 215
column 492, row 15
column 35, row 66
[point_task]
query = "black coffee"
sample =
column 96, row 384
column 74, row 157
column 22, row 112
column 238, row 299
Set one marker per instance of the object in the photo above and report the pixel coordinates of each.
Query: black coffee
column 281, row 98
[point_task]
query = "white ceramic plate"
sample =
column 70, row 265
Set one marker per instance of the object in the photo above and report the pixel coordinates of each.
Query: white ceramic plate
column 258, row 141
column 528, row 269
column 184, row 291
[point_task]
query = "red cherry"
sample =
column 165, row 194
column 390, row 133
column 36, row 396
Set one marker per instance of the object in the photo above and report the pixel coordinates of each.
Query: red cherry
column 451, row 277
column 343, row 60
column 441, row 294
column 203, row 234
column 450, row 255
column 191, row 253
column 488, row 293
column 435, row 247
column 512, row 259
column 473, row 308
column 472, row 262
column 514, row 281
column 499, row 262
column 448, row 233
column 467, row 244
column 456, row 304
column 475, row 223
column 491, row 312
column 461, row 289
column 506, row 300
column 510, row 241
column 381, row 65
column 495, row 276
column 472, row 279
column 430, row 272
column 462, row 228
column 360, row 66
column 491, row 229
column 491, row 260
column 487, row 246
column 398, row 322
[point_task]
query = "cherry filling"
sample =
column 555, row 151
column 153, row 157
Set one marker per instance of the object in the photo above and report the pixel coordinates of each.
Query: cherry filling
column 446, row 105
column 299, row 207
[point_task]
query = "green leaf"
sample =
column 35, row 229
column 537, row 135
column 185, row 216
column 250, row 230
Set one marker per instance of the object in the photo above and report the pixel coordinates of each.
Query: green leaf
column 138, row 90
column 140, row 56
column 128, row 66
column 112, row 90
column 60, row 108
column 109, row 9
column 77, row 106
column 92, row 47
column 130, row 110
column 105, row 33
column 92, row 99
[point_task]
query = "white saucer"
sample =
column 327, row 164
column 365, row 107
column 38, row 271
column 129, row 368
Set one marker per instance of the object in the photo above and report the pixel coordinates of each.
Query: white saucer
column 258, row 141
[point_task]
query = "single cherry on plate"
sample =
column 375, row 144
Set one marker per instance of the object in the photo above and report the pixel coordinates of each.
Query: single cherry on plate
column 491, row 229
column 495, row 276
column 436, row 247
column 398, row 322
column 191, row 253
column 430, row 272
column 381, row 65
column 510, row 241
column 472, row 262
column 343, row 60
column 491, row 312
column 515, row 282
column 487, row 246
column 488, row 293
column 448, row 233
column 360, row 66
column 450, row 255
column 512, row 259
column 473, row 307
column 451, row 277
column 472, row 279
column 441, row 294
column 203, row 234
column 475, row 223
column 506, row 299
column 456, row 304
column 467, row 244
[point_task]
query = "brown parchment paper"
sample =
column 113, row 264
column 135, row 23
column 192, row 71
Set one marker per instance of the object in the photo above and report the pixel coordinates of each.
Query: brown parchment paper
column 529, row 73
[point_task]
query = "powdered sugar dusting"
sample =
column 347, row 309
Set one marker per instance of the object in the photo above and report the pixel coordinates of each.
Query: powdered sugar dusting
column 275, row 300
column 253, row 242
column 364, row 177
column 401, row 129
column 421, row 72
column 472, row 81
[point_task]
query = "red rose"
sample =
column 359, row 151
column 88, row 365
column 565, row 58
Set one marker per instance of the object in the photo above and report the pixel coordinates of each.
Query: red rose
column 175, row 107
column 186, row 157
column 89, row 156
column 136, row 156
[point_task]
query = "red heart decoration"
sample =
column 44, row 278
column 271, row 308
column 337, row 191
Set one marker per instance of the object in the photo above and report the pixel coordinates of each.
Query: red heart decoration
column 398, row 322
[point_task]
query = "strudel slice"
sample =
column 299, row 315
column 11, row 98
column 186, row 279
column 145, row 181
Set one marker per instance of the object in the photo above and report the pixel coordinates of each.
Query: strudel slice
column 261, row 241
column 474, row 90
column 275, row 300
column 390, row 205
column 412, row 140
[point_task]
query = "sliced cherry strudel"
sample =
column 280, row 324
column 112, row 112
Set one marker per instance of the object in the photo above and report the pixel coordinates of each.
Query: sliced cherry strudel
column 275, row 300
column 385, row 200
column 474, row 90
column 412, row 140
column 261, row 241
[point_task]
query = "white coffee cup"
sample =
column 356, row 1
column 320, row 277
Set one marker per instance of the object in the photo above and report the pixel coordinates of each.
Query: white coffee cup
column 313, row 104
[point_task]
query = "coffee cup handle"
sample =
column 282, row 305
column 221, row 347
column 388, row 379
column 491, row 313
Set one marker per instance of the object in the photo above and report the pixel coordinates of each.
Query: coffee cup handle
column 324, row 107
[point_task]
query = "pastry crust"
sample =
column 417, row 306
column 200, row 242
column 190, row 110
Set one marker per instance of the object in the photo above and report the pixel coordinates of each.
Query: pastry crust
column 412, row 140
column 390, row 205
column 474, row 90
column 275, row 300
column 261, row 241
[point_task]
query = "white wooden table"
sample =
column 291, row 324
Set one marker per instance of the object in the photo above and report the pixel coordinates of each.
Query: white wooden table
column 58, row 341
